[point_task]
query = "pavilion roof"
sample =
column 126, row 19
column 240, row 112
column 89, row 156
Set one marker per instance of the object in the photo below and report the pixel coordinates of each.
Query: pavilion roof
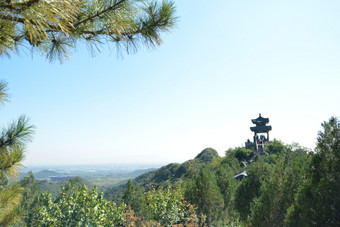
column 260, row 120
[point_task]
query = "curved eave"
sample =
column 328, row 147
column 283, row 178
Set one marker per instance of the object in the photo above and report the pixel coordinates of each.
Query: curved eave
column 260, row 120
column 261, row 128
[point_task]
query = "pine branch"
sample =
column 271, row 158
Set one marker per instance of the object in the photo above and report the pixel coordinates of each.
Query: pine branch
column 3, row 92
column 111, row 8
column 124, row 22
column 10, row 160
column 10, row 198
column 17, row 133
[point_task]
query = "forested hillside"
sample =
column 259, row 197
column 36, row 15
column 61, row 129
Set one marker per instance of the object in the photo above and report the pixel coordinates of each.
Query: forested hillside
column 172, row 174
column 287, row 186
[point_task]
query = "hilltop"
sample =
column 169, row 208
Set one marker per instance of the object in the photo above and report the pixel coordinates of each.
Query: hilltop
column 45, row 174
column 171, row 174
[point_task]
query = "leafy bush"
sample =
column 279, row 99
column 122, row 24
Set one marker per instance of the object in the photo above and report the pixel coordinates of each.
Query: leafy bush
column 77, row 206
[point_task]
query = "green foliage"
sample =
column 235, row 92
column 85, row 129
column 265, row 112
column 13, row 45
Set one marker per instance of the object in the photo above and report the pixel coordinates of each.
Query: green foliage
column 249, row 188
column 275, row 147
column 3, row 179
column 12, row 145
column 241, row 154
column 225, row 179
column 30, row 198
column 204, row 192
column 56, row 187
column 3, row 92
column 168, row 206
column 317, row 202
column 264, row 196
column 278, row 190
column 133, row 197
column 77, row 206
column 55, row 27
column 207, row 155
column 169, row 175
column 10, row 198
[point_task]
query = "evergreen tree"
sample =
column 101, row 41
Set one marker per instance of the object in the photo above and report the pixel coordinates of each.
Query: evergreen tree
column 133, row 197
column 225, row 170
column 275, row 147
column 30, row 198
column 12, row 146
column 205, row 194
column 53, row 28
column 318, row 201
column 249, row 188
column 278, row 190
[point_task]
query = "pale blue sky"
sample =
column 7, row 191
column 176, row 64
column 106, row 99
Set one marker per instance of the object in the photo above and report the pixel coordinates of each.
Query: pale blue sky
column 226, row 62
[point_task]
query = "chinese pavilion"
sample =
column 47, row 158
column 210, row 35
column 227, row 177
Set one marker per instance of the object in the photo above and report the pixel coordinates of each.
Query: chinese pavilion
column 260, row 130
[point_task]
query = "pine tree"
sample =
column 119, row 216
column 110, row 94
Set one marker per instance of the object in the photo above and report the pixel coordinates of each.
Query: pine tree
column 54, row 28
column 12, row 147
column 317, row 202
column 204, row 192
column 30, row 198
column 133, row 197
